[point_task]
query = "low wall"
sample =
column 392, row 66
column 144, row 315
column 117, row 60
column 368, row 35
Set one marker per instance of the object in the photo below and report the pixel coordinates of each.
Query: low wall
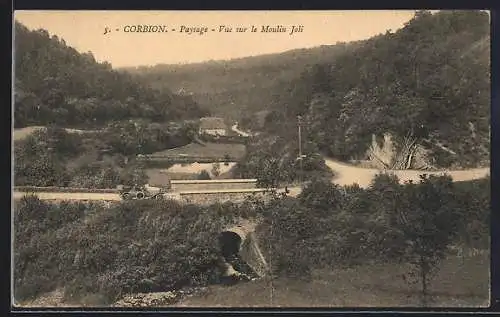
column 210, row 197
column 53, row 189
column 218, row 184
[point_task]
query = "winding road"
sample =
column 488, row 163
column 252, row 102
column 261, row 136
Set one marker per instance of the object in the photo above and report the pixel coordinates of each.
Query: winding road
column 348, row 174
column 242, row 133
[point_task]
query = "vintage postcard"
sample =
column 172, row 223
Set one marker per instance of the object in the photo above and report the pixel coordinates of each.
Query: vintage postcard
column 251, row 159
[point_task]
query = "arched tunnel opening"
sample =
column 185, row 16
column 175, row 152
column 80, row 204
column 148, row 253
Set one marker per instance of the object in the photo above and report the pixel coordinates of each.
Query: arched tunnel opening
column 230, row 244
column 235, row 242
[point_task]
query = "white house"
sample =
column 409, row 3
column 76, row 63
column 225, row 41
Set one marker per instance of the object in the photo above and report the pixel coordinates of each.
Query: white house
column 213, row 126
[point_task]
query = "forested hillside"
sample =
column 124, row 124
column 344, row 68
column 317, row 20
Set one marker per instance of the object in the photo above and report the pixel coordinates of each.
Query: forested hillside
column 428, row 81
column 239, row 87
column 56, row 84
column 428, row 85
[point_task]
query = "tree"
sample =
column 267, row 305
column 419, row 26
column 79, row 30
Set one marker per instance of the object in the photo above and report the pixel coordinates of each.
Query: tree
column 216, row 169
column 227, row 159
column 428, row 223
column 203, row 175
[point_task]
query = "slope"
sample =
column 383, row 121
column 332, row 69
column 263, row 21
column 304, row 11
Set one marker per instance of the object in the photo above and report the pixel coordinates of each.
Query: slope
column 427, row 85
column 54, row 83
column 239, row 87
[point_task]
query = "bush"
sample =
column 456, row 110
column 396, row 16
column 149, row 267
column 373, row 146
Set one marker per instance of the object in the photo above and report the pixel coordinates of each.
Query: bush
column 136, row 246
column 473, row 204
column 42, row 244
column 152, row 246
column 203, row 175
column 288, row 228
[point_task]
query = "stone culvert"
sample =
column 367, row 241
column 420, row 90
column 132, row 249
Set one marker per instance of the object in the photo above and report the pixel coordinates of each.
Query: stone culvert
column 241, row 257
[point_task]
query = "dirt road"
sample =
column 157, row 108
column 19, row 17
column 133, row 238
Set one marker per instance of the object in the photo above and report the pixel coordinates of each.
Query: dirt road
column 347, row 174
column 22, row 133
column 242, row 133
column 72, row 196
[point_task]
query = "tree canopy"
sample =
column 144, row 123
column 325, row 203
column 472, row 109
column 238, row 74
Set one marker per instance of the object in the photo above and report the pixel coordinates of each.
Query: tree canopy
column 54, row 83
column 430, row 79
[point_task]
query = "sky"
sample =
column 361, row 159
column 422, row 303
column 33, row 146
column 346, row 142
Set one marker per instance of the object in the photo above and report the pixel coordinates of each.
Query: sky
column 84, row 30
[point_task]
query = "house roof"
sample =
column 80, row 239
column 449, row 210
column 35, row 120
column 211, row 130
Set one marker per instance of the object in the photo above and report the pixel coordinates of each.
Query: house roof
column 212, row 123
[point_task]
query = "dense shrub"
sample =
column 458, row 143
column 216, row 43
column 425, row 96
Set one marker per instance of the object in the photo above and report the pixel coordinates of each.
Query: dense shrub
column 203, row 175
column 473, row 203
column 132, row 247
column 41, row 249
column 354, row 225
column 54, row 157
column 142, row 246
column 287, row 228
column 274, row 161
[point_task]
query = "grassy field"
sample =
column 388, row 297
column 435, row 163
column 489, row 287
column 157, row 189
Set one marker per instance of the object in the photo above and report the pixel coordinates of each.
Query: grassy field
column 461, row 282
column 215, row 150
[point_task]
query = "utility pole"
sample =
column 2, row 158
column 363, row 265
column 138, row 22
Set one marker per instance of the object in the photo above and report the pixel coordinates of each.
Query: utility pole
column 299, row 121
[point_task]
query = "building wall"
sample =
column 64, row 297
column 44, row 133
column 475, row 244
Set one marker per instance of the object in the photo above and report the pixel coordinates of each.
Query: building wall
column 213, row 197
column 185, row 185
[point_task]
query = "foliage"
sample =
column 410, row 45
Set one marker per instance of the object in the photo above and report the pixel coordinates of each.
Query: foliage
column 56, row 84
column 203, row 175
column 103, row 159
column 132, row 247
column 287, row 227
column 237, row 88
column 474, row 204
column 216, row 169
column 429, row 224
column 273, row 161
column 429, row 80
column 411, row 223
column 142, row 246
column 142, row 137
column 40, row 250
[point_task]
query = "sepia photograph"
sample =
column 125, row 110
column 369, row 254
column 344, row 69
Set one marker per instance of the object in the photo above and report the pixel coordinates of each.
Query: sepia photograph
column 240, row 159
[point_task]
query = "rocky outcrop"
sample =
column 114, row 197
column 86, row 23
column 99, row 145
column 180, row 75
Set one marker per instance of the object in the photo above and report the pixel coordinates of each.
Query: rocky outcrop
column 387, row 154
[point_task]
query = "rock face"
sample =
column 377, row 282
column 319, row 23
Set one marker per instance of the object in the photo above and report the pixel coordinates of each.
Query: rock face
column 387, row 154
column 381, row 155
